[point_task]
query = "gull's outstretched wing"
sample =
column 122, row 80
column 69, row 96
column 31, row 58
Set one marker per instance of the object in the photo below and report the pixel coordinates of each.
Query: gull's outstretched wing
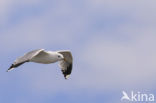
column 66, row 64
column 26, row 58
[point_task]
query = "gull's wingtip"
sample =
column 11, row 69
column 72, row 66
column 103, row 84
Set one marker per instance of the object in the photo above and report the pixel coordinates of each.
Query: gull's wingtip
column 9, row 69
column 66, row 77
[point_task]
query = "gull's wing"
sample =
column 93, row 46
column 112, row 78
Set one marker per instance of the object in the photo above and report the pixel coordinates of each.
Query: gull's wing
column 66, row 64
column 26, row 58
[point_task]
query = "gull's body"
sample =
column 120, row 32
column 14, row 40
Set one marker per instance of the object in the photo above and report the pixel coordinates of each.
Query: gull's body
column 47, row 57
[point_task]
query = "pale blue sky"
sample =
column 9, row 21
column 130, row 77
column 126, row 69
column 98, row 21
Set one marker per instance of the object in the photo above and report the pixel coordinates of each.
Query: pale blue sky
column 113, row 45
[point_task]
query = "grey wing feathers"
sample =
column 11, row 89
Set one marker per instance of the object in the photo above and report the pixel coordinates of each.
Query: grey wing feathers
column 21, row 60
column 66, row 65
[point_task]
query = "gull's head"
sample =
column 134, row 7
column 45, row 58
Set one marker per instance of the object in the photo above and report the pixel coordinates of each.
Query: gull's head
column 60, row 56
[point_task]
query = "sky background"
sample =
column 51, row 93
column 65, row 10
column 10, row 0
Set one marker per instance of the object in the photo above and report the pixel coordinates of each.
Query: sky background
column 113, row 43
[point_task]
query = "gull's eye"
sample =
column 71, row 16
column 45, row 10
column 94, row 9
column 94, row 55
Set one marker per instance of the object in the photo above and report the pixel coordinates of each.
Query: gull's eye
column 59, row 56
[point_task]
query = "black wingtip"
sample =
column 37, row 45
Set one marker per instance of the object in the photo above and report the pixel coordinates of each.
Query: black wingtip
column 67, row 72
column 11, row 67
column 65, row 77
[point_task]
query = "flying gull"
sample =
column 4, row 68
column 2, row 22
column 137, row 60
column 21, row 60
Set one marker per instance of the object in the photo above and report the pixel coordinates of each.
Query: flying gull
column 47, row 57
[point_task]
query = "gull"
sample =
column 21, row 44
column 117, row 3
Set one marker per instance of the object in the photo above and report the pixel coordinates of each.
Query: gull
column 46, row 57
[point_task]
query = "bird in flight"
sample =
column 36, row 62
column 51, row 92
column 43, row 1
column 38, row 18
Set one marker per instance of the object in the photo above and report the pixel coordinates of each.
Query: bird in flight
column 46, row 57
